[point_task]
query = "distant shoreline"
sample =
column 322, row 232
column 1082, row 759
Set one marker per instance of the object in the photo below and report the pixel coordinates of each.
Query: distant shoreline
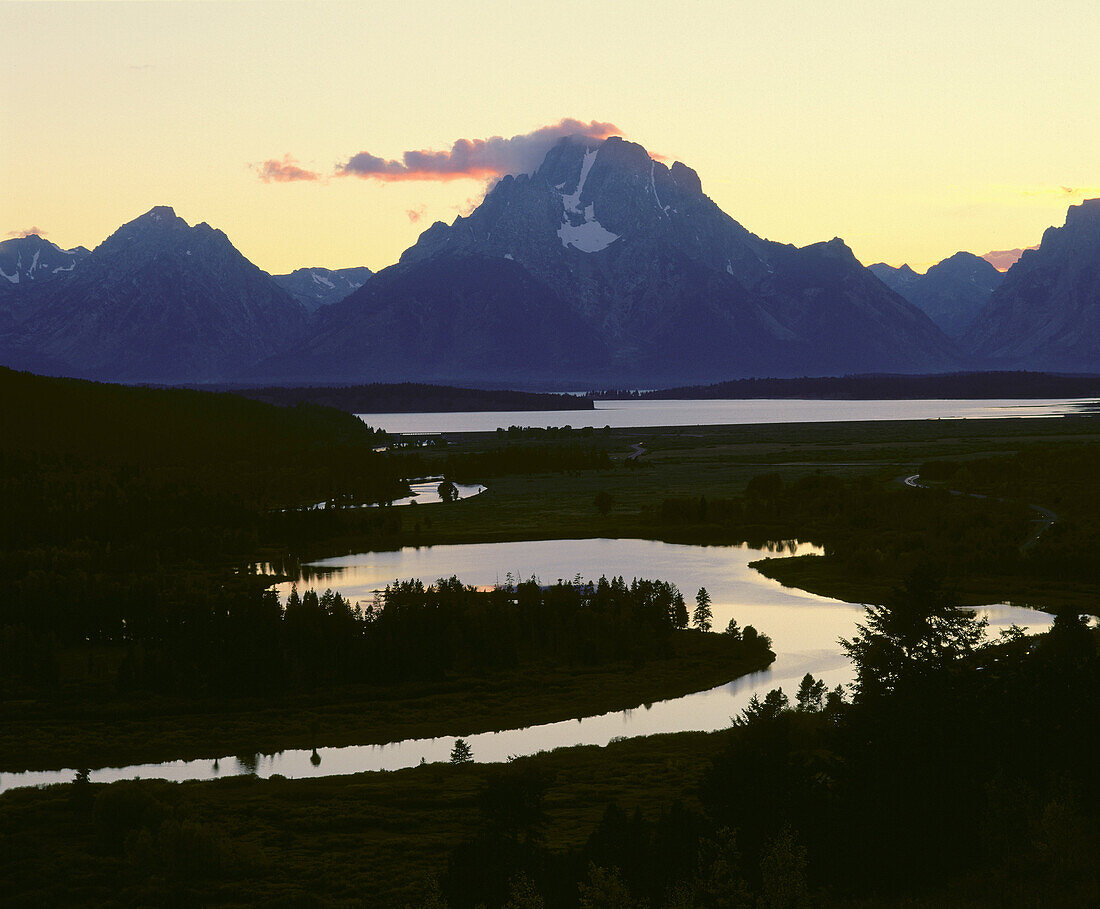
column 948, row 386
column 410, row 397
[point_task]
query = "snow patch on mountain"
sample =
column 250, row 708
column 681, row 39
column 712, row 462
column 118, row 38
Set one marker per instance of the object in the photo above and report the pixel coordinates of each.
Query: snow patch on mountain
column 589, row 236
column 571, row 202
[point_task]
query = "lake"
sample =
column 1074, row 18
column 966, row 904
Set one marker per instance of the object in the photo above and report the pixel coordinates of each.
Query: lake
column 804, row 628
column 641, row 414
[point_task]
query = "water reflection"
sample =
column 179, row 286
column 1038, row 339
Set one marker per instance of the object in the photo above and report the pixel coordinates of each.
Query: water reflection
column 805, row 630
column 640, row 414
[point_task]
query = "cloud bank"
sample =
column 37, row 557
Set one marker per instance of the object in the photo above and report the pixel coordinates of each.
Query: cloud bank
column 27, row 232
column 474, row 158
column 477, row 159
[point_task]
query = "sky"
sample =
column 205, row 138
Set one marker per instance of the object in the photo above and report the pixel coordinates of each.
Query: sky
column 331, row 134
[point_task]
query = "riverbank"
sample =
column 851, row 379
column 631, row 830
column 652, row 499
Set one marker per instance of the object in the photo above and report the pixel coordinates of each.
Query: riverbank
column 829, row 578
column 382, row 835
column 43, row 735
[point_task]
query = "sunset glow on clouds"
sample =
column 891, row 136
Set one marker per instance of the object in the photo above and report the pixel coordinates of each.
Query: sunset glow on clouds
column 285, row 171
column 27, row 232
column 466, row 159
column 475, row 158
column 233, row 114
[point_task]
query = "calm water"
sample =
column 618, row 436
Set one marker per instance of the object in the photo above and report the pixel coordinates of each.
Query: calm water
column 422, row 491
column 804, row 629
column 628, row 414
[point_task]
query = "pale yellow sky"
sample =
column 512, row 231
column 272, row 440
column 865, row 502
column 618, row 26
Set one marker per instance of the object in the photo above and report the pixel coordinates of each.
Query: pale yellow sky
column 910, row 130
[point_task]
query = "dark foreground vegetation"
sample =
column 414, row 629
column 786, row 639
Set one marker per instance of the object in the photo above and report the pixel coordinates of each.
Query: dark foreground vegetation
column 956, row 773
column 133, row 520
column 411, row 397
column 959, row 772
column 242, row 649
column 882, row 387
column 976, row 521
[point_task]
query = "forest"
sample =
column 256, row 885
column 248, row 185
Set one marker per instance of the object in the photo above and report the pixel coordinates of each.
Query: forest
column 958, row 772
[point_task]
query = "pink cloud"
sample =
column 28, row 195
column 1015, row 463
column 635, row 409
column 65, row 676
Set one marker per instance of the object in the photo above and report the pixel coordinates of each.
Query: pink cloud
column 479, row 159
column 415, row 214
column 286, row 171
column 27, row 232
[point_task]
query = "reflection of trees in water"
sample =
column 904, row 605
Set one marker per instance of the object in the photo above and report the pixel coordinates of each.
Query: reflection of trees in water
column 309, row 573
column 780, row 546
column 248, row 762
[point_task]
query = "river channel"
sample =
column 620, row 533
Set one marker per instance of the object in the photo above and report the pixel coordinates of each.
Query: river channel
column 805, row 630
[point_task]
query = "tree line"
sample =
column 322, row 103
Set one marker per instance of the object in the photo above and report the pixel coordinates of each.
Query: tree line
column 957, row 769
column 198, row 640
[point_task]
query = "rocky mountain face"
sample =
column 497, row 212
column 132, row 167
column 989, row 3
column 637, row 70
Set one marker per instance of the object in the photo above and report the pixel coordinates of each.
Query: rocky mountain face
column 471, row 318
column 653, row 282
column 27, row 262
column 317, row 287
column 899, row 280
column 32, row 260
column 1046, row 312
column 951, row 293
column 157, row 301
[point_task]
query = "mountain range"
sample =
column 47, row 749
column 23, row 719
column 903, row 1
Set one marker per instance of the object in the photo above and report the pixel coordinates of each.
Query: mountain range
column 1046, row 312
column 317, row 287
column 603, row 267
column 157, row 301
column 951, row 293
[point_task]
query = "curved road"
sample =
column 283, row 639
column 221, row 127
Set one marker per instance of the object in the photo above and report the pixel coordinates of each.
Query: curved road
column 1047, row 518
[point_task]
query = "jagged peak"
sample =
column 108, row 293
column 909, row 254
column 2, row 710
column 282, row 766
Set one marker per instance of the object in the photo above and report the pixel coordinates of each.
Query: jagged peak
column 159, row 217
column 1085, row 213
column 903, row 270
column 686, row 178
column 963, row 259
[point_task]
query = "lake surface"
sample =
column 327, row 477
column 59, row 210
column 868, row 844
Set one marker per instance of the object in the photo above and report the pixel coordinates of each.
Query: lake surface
column 641, row 414
column 804, row 629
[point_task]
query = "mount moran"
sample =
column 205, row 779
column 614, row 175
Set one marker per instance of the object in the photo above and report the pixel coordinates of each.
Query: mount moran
column 603, row 267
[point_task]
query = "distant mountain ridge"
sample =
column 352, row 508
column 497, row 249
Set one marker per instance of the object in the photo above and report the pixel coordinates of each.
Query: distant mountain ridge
column 602, row 268
column 34, row 259
column 317, row 287
column 157, row 301
column 27, row 262
column 1046, row 312
column 952, row 292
